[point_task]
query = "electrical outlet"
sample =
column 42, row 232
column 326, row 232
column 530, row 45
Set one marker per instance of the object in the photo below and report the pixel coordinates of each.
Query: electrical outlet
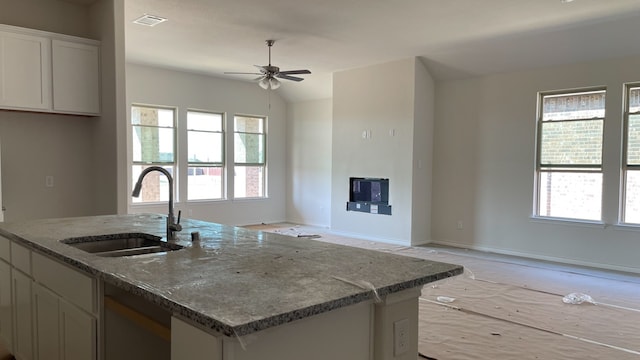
column 48, row 181
column 459, row 225
column 400, row 337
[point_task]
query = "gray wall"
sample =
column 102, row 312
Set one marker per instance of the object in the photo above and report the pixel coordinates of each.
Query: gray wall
column 35, row 145
column 484, row 167
column 156, row 86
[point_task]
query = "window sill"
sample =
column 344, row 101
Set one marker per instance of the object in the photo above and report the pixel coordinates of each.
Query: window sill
column 569, row 222
column 627, row 227
column 205, row 201
column 250, row 199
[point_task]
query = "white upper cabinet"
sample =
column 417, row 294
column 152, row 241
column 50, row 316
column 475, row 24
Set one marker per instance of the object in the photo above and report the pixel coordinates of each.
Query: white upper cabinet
column 25, row 78
column 47, row 72
column 76, row 80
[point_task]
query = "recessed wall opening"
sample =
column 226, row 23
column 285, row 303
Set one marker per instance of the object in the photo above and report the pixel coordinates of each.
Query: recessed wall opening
column 370, row 195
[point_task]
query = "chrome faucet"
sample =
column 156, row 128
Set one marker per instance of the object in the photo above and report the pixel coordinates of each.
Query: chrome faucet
column 173, row 226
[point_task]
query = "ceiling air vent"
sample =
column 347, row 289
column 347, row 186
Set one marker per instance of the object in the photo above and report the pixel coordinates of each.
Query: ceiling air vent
column 149, row 20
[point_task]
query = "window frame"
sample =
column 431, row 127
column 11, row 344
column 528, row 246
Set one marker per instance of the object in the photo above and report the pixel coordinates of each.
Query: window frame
column 173, row 165
column 540, row 169
column 262, row 164
column 222, row 164
column 625, row 166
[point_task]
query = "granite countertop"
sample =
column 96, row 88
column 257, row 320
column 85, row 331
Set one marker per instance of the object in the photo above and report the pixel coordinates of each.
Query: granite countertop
column 234, row 281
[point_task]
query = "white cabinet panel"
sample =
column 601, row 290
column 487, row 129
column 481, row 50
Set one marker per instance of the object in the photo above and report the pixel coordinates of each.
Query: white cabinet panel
column 21, row 258
column 5, row 249
column 23, row 338
column 1, row 203
column 25, row 77
column 76, row 81
column 6, row 313
column 45, row 323
column 48, row 72
column 68, row 283
column 78, row 340
column 61, row 330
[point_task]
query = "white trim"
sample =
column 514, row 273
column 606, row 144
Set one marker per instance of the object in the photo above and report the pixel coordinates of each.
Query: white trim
column 635, row 270
column 567, row 221
column 370, row 238
column 1, row 206
column 47, row 34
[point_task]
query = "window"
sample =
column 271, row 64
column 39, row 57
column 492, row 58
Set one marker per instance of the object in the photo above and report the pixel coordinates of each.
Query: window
column 153, row 132
column 249, row 157
column 569, row 155
column 205, row 172
column 631, row 156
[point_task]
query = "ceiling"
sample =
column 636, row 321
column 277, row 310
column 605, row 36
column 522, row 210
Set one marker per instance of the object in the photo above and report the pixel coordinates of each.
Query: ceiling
column 454, row 38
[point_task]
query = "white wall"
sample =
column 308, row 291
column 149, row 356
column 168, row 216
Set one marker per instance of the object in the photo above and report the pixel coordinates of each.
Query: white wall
column 309, row 162
column 155, row 86
column 109, row 131
column 484, row 167
column 380, row 99
column 422, row 155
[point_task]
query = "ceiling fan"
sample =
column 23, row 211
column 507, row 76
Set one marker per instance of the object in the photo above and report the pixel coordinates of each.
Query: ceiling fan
column 270, row 74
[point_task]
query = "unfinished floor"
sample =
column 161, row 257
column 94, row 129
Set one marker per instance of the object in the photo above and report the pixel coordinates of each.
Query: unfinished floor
column 506, row 307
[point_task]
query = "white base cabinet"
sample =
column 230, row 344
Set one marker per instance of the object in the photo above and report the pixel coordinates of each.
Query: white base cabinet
column 61, row 330
column 363, row 331
column 344, row 333
column 48, row 310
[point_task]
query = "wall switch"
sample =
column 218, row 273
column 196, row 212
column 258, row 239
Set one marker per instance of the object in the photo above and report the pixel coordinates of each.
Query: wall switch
column 48, row 181
column 400, row 337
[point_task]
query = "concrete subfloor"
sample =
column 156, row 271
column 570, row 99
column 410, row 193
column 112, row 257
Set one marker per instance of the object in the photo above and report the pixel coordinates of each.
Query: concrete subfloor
column 506, row 307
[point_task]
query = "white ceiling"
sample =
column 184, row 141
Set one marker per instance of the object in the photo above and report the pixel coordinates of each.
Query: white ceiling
column 454, row 38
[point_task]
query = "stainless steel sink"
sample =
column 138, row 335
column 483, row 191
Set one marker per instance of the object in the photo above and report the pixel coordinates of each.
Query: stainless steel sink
column 114, row 245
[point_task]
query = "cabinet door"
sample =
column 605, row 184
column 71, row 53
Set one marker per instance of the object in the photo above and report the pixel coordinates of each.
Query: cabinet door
column 76, row 77
column 23, row 341
column 6, row 315
column 25, row 75
column 46, row 324
column 78, row 339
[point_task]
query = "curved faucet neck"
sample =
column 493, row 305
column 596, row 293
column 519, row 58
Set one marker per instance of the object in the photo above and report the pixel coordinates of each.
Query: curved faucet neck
column 169, row 177
column 172, row 225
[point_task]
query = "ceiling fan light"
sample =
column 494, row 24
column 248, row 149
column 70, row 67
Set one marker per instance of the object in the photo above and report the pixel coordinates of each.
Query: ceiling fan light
column 264, row 83
column 274, row 83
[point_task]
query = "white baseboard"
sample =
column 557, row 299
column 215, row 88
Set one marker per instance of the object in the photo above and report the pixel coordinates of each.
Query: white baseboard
column 556, row 259
column 369, row 237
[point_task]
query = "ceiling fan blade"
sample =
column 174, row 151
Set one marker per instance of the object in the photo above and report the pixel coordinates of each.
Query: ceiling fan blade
column 261, row 68
column 294, row 72
column 287, row 77
column 241, row 73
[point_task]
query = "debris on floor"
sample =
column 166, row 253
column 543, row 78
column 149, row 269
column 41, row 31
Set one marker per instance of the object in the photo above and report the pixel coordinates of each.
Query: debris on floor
column 577, row 299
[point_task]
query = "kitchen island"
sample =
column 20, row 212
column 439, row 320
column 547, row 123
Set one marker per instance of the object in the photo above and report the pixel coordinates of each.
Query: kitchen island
column 236, row 293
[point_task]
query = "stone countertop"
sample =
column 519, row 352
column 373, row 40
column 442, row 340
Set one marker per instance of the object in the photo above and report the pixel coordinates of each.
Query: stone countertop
column 234, row 281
